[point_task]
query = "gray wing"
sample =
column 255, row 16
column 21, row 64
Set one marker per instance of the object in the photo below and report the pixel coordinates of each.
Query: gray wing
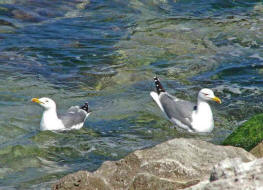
column 177, row 109
column 74, row 116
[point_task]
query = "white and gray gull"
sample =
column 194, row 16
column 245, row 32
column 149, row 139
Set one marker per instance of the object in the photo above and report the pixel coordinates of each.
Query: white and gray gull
column 187, row 115
column 74, row 118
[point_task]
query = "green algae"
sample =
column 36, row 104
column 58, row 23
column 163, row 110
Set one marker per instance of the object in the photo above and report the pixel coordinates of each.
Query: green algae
column 248, row 135
column 19, row 157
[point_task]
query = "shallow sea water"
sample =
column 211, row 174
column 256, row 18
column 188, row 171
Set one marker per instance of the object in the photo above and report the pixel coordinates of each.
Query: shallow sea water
column 107, row 52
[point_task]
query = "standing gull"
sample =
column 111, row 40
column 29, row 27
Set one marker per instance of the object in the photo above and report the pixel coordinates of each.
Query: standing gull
column 74, row 118
column 187, row 115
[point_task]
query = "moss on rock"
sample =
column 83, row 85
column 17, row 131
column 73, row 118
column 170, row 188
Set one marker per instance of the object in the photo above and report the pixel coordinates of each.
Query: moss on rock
column 248, row 135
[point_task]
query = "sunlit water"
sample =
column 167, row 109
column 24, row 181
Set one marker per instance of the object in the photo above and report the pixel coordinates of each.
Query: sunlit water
column 107, row 52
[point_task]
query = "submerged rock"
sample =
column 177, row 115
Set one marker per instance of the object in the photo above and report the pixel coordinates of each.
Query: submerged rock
column 27, row 16
column 248, row 135
column 234, row 174
column 175, row 164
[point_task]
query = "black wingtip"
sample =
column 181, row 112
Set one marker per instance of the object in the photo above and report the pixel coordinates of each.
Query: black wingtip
column 85, row 107
column 158, row 85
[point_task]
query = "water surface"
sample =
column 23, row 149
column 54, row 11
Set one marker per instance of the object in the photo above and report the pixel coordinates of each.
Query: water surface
column 107, row 52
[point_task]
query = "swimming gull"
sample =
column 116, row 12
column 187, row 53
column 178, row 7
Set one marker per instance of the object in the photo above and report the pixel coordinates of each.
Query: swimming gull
column 187, row 115
column 74, row 118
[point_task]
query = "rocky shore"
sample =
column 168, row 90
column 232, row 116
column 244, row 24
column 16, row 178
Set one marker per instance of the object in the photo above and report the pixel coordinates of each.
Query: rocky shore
column 176, row 164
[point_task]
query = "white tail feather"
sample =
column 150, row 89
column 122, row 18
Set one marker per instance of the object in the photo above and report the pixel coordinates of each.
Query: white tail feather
column 155, row 97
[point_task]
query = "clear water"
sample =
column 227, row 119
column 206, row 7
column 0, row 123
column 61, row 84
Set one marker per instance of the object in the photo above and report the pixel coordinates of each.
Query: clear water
column 107, row 52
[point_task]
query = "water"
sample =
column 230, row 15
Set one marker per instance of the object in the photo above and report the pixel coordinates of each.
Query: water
column 107, row 52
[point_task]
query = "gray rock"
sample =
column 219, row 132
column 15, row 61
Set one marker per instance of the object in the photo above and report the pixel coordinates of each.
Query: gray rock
column 234, row 174
column 175, row 164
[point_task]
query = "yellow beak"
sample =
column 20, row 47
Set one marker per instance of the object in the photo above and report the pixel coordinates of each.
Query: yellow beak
column 216, row 99
column 36, row 100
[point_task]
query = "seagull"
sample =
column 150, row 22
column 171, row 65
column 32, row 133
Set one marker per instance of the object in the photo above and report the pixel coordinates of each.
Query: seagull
column 195, row 118
column 74, row 118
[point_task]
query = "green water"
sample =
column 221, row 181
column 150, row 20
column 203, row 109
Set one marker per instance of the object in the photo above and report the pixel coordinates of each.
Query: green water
column 107, row 52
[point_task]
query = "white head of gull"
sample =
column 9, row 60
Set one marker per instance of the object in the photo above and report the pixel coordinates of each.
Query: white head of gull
column 74, row 118
column 184, row 114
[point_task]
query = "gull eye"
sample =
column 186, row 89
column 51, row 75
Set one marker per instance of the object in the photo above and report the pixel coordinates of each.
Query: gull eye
column 205, row 94
column 46, row 101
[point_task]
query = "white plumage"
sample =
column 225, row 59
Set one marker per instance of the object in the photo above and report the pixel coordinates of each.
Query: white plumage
column 187, row 115
column 74, row 118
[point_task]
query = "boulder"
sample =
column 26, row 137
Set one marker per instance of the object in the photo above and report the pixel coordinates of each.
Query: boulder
column 175, row 164
column 234, row 174
column 258, row 150
column 247, row 135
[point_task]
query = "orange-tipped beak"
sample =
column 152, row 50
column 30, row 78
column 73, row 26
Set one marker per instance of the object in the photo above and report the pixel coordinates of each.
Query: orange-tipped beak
column 216, row 99
column 35, row 100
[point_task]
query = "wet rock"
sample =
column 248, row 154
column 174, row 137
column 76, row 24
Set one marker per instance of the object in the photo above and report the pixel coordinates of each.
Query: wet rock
column 248, row 135
column 234, row 174
column 175, row 164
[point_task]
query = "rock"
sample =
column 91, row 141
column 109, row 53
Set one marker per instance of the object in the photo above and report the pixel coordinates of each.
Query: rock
column 258, row 150
column 234, row 174
column 27, row 16
column 175, row 164
column 248, row 135
column 82, row 180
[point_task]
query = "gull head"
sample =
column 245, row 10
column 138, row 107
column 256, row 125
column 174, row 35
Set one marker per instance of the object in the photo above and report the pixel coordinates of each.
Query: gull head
column 207, row 95
column 46, row 103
